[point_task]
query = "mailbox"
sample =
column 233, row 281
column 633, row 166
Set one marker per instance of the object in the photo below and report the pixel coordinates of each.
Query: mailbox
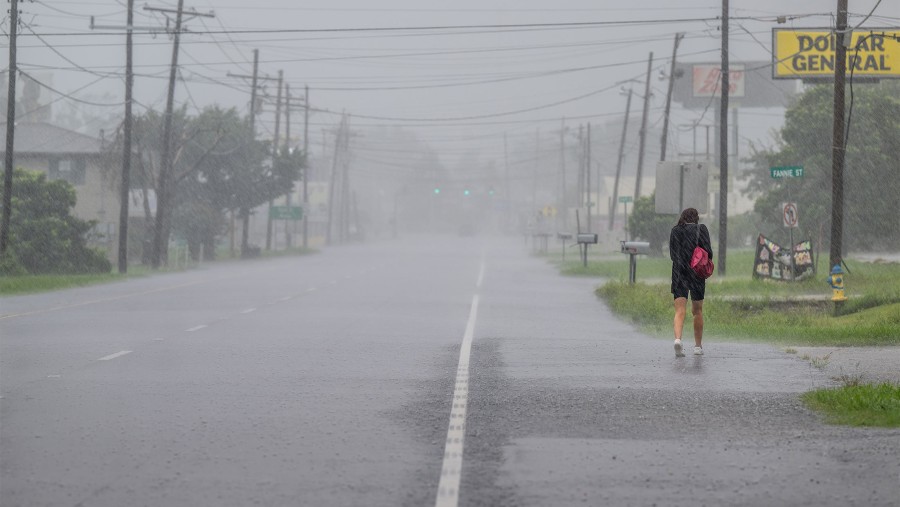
column 586, row 238
column 635, row 247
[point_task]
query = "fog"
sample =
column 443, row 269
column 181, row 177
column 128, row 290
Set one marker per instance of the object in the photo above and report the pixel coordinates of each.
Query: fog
column 436, row 260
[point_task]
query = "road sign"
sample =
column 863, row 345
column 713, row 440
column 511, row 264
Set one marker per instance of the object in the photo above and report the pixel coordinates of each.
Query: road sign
column 626, row 198
column 789, row 214
column 790, row 171
column 286, row 212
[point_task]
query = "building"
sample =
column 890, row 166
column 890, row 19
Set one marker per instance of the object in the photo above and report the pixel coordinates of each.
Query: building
column 77, row 158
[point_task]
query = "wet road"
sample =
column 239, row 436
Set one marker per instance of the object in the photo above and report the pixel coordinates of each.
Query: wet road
column 332, row 379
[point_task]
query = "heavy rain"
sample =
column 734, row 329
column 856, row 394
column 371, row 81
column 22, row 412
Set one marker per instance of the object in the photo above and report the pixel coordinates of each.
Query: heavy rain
column 495, row 253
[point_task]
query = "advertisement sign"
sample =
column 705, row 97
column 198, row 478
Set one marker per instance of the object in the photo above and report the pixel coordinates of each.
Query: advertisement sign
column 806, row 53
column 773, row 261
column 706, row 81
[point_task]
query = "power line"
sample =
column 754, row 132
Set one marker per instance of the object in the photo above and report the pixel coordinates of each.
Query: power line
column 432, row 28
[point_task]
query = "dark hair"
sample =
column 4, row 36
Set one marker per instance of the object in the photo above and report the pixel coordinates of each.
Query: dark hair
column 689, row 216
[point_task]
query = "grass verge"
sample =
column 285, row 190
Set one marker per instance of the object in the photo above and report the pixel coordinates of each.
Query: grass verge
column 858, row 405
column 650, row 306
column 28, row 284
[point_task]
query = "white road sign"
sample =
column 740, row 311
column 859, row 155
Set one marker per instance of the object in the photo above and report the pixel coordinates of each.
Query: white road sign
column 789, row 214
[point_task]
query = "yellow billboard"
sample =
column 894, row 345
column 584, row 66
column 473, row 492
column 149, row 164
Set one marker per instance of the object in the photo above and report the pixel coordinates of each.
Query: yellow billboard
column 806, row 53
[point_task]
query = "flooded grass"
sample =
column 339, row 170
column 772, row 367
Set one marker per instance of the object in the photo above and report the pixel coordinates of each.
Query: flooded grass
column 858, row 405
column 758, row 320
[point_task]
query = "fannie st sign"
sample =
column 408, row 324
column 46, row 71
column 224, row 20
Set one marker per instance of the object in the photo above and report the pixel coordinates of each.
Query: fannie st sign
column 809, row 53
column 786, row 172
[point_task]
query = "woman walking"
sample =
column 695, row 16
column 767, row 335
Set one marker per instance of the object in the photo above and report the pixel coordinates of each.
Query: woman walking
column 685, row 236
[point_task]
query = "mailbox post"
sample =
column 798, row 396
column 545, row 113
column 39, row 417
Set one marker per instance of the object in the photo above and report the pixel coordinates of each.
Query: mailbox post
column 563, row 237
column 633, row 249
column 585, row 238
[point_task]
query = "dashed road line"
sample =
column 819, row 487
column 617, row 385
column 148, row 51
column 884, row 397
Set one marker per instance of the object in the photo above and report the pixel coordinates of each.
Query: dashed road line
column 113, row 356
column 196, row 328
column 248, row 310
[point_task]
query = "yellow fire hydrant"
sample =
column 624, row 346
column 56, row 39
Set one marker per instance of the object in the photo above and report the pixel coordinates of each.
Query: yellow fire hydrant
column 836, row 280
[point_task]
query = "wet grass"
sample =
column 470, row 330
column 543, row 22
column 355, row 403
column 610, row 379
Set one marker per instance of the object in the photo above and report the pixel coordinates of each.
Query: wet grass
column 858, row 405
column 758, row 320
column 738, row 307
column 28, row 284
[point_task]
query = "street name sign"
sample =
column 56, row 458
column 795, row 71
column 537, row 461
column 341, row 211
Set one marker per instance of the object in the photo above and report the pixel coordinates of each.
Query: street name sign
column 791, row 171
column 626, row 199
column 286, row 212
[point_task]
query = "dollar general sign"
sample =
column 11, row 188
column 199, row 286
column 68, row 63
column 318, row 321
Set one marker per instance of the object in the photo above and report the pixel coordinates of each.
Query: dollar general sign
column 809, row 53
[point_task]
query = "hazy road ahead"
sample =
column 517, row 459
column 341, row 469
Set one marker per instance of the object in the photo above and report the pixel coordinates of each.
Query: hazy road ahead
column 330, row 380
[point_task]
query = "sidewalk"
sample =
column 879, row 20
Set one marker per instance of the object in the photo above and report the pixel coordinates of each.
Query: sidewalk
column 867, row 364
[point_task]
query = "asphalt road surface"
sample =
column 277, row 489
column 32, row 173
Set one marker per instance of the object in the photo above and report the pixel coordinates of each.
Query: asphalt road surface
column 355, row 376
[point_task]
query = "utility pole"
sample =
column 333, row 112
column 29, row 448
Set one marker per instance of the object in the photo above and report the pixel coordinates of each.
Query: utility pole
column 615, row 197
column 160, row 235
column 287, row 149
column 563, row 203
column 723, row 145
column 508, row 192
column 161, row 232
column 837, row 145
column 124, row 190
column 587, row 175
column 10, row 127
column 643, row 132
column 254, row 85
column 534, row 171
column 274, row 154
column 306, row 160
column 334, row 167
column 665, row 130
column 126, row 137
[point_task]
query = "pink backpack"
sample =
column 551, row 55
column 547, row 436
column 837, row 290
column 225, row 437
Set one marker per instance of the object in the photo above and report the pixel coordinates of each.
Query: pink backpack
column 700, row 262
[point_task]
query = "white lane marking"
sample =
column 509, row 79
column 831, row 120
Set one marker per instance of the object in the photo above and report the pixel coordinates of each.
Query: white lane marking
column 54, row 376
column 286, row 298
column 312, row 289
column 196, row 328
column 480, row 275
column 113, row 356
column 451, row 468
column 248, row 310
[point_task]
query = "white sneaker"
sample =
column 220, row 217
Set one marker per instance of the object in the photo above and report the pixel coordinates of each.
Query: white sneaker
column 678, row 352
column 698, row 351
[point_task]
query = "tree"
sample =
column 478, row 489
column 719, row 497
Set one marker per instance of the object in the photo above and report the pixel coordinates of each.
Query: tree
column 217, row 166
column 44, row 236
column 871, row 183
column 646, row 225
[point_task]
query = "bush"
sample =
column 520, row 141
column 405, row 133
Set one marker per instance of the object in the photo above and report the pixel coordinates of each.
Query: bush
column 44, row 236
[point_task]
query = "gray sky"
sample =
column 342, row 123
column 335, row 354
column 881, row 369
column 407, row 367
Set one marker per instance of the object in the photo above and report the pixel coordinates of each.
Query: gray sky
column 456, row 88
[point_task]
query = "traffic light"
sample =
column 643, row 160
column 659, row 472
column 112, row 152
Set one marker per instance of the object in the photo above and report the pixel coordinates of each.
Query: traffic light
column 437, row 190
column 466, row 192
column 491, row 191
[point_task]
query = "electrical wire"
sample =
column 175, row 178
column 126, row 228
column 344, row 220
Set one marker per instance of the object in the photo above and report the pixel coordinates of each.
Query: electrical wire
column 68, row 96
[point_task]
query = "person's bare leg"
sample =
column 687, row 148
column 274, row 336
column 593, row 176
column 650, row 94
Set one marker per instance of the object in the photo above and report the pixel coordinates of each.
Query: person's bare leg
column 680, row 311
column 697, row 312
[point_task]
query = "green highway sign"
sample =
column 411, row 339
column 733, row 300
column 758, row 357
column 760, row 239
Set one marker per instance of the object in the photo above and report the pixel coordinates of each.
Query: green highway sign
column 286, row 213
column 791, row 171
column 626, row 199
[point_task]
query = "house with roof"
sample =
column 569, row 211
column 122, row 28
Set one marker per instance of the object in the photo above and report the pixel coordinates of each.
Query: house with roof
column 77, row 158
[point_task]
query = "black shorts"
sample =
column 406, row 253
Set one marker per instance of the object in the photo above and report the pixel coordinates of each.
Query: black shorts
column 682, row 286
